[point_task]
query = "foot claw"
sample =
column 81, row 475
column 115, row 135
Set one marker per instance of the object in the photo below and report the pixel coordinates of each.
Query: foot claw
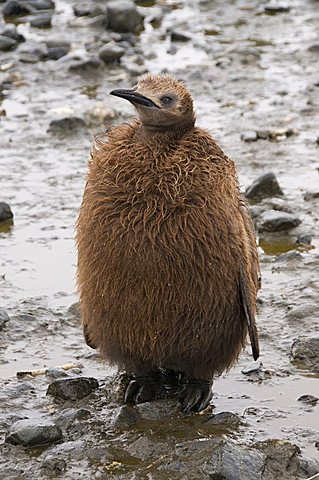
column 142, row 389
column 196, row 396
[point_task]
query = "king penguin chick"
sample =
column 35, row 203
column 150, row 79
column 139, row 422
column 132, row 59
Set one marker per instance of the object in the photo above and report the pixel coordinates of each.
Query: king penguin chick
column 168, row 269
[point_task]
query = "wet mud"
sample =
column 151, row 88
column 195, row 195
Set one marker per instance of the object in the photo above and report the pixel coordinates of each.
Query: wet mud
column 252, row 68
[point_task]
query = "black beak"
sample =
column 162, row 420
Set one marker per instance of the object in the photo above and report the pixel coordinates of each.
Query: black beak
column 134, row 97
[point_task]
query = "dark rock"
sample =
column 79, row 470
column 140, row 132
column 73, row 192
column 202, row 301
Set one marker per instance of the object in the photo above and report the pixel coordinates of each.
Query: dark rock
column 39, row 20
column 273, row 9
column 311, row 195
column 10, row 31
column 224, row 420
column 306, row 351
column 55, row 372
column 69, row 416
column 123, row 16
column 53, row 465
column 249, row 136
column 88, row 10
column 4, row 318
column 276, row 221
column 265, row 186
column 14, row 8
column 308, row 399
column 5, row 212
column 42, row 4
column 304, row 239
column 73, row 388
column 54, row 53
column 111, row 53
column 7, row 43
column 267, row 460
column 32, row 433
column 314, row 48
column 66, row 126
column 179, row 36
column 233, row 462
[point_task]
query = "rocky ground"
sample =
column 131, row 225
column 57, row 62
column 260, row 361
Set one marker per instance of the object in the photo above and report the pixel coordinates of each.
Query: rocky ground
column 252, row 67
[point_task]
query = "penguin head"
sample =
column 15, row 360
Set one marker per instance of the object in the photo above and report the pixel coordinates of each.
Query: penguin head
column 161, row 101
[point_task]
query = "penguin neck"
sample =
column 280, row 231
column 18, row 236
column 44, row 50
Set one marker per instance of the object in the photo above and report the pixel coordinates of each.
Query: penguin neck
column 167, row 132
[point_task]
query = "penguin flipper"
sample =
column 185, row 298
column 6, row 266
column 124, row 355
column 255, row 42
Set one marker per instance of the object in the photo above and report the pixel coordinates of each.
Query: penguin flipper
column 249, row 315
column 87, row 338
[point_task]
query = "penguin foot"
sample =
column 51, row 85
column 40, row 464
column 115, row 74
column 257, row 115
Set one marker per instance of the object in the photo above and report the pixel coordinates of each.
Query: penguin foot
column 143, row 388
column 196, row 395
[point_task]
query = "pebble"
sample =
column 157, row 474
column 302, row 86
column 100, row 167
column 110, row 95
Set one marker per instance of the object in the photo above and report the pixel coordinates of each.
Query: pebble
column 264, row 186
column 70, row 415
column 42, row 4
column 276, row 221
column 224, row 420
column 7, row 43
column 4, row 318
column 123, row 16
column 111, row 53
column 73, row 388
column 273, row 9
column 179, row 36
column 306, row 351
column 308, row 399
column 5, row 212
column 66, row 126
column 249, row 136
column 33, row 433
column 86, row 64
column 253, row 367
column 88, row 10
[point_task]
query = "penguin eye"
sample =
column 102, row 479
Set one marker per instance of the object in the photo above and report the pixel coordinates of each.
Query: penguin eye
column 166, row 100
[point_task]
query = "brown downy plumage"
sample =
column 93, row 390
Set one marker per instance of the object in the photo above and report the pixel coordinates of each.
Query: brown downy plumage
column 167, row 262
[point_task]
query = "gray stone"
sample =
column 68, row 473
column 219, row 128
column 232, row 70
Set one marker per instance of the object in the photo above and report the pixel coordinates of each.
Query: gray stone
column 308, row 400
column 73, row 388
column 125, row 417
column 55, row 372
column 40, row 20
column 264, row 186
column 304, row 239
column 85, row 65
column 249, row 136
column 35, row 50
column 302, row 311
column 111, row 53
column 33, row 433
column 305, row 351
column 123, row 16
column 88, row 10
column 42, row 4
column 53, row 465
column 69, row 416
column 5, row 212
column 4, row 318
column 14, row 8
column 276, row 221
column 10, row 31
column 66, row 126
column 54, row 42
column 7, row 43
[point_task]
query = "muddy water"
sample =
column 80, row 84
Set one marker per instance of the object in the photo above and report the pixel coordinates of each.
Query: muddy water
column 247, row 71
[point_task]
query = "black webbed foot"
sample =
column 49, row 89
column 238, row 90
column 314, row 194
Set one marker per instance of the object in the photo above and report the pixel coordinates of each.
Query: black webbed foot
column 143, row 388
column 196, row 395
